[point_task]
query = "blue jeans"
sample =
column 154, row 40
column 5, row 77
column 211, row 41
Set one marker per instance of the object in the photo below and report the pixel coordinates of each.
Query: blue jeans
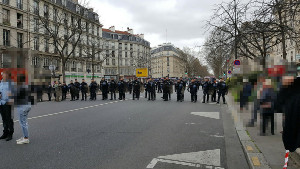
column 23, row 115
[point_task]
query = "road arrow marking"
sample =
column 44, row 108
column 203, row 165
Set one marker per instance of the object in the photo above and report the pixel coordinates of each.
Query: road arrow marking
column 213, row 115
column 209, row 158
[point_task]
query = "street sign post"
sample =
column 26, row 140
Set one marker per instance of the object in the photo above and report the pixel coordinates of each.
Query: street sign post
column 141, row 72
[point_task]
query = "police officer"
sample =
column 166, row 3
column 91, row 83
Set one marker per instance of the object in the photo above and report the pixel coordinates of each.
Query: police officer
column 130, row 86
column 159, row 86
column 112, row 88
column 151, row 89
column 84, row 90
column 183, row 83
column 166, row 89
column 145, row 86
column 170, row 87
column 214, row 90
column 72, row 89
column 93, row 88
column 205, row 88
column 193, row 89
column 104, row 88
column 222, row 90
column 136, row 89
column 49, row 91
column 178, row 90
column 64, row 89
column 77, row 85
column 121, row 88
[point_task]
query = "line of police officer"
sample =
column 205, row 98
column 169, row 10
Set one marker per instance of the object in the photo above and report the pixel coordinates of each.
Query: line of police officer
column 164, row 85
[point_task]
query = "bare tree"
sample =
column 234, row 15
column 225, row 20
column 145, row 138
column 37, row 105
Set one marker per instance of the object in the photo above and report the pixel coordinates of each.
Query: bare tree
column 63, row 31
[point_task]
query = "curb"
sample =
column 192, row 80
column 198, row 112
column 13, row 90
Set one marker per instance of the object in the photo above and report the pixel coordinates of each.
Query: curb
column 255, row 158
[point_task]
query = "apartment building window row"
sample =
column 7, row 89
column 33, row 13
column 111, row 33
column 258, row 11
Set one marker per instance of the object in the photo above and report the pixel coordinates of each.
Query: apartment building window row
column 36, row 43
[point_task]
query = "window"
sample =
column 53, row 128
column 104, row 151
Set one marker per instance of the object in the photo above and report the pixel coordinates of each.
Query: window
column 114, row 62
column 46, row 11
column 35, row 61
column 5, row 2
column 292, row 57
column 6, row 17
column 46, row 62
column 20, row 4
column 19, row 20
column 107, row 61
column 113, row 54
column 64, row 3
column 20, row 40
column 77, row 8
column 87, row 27
column 54, row 14
column 35, row 7
column 46, row 45
column 36, row 43
column 6, row 38
column 168, row 64
column 65, row 18
column 36, row 25
column 97, row 31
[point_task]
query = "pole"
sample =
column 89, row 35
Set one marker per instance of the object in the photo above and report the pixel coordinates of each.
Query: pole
column 235, row 31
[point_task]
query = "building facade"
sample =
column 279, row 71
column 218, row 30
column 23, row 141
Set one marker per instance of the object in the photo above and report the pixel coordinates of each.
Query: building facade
column 34, row 25
column 124, row 52
column 167, row 60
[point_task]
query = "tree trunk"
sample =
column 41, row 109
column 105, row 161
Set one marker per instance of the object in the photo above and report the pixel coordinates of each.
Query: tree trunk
column 63, row 70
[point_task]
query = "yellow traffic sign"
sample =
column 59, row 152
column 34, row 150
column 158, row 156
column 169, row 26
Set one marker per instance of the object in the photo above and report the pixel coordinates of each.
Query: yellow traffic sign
column 141, row 72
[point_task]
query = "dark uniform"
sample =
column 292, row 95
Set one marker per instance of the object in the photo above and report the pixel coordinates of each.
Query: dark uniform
column 205, row 88
column 179, row 90
column 159, row 86
column 151, row 90
column 77, row 85
column 72, row 89
column 166, row 89
column 121, row 88
column 146, row 90
column 222, row 90
column 64, row 90
column 130, row 86
column 104, row 89
column 214, row 93
column 193, row 89
column 84, row 90
column 136, row 89
column 112, row 89
column 93, row 89
column 183, row 89
column 49, row 91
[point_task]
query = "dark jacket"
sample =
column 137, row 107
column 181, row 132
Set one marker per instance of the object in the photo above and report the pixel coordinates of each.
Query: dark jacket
column 103, row 85
column 112, row 86
column 84, row 87
column 193, row 87
column 136, row 85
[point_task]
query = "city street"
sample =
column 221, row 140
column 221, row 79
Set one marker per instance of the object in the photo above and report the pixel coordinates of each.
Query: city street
column 130, row 134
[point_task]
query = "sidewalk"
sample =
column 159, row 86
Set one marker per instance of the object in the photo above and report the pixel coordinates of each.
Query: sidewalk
column 262, row 151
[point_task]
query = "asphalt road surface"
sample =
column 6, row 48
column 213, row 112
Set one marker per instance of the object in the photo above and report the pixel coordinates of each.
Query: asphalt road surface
column 129, row 134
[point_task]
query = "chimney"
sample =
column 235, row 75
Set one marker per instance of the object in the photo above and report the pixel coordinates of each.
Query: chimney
column 141, row 36
column 91, row 9
column 112, row 28
column 129, row 30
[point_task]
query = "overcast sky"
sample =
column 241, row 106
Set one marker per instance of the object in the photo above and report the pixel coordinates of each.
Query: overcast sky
column 183, row 20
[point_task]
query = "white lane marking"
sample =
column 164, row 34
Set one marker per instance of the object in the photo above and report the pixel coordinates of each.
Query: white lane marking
column 64, row 112
column 209, row 158
column 152, row 163
column 105, row 103
column 111, row 102
column 213, row 115
column 216, row 136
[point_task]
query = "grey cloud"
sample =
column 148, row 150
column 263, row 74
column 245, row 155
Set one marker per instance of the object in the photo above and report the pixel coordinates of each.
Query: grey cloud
column 185, row 21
